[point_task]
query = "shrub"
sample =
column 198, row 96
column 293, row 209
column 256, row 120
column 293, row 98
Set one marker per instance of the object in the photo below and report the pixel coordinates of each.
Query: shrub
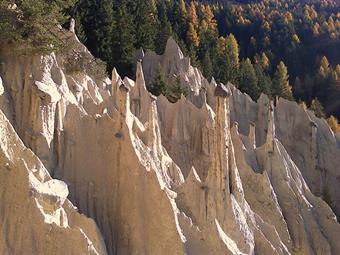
column 171, row 92
column 76, row 62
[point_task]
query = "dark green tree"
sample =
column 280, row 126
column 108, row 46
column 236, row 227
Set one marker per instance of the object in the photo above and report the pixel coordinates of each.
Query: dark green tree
column 176, row 91
column 179, row 19
column 164, row 29
column 97, row 23
column 158, row 85
column 230, row 64
column 123, row 38
column 146, row 21
column 264, row 81
column 207, row 66
column 247, row 79
column 298, row 89
column 208, row 40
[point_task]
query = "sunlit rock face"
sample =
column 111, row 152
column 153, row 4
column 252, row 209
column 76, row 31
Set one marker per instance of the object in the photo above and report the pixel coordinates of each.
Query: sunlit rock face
column 213, row 173
column 35, row 215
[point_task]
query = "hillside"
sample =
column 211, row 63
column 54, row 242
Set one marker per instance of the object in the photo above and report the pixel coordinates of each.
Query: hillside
column 165, row 161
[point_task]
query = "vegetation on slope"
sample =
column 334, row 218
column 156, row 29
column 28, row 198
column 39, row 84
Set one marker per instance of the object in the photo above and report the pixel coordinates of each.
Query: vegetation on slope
column 32, row 25
column 283, row 48
column 228, row 40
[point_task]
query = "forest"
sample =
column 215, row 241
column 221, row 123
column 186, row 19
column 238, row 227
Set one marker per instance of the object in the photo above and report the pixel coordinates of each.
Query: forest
column 285, row 48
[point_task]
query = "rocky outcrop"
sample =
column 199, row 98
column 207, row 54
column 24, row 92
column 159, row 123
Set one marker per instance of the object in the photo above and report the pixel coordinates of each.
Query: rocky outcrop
column 308, row 140
column 124, row 177
column 213, row 173
column 35, row 215
column 174, row 64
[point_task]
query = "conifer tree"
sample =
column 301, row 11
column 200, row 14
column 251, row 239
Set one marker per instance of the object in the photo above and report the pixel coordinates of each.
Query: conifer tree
column 192, row 36
column 208, row 17
column 264, row 81
column 317, row 107
column 164, row 29
column 265, row 63
column 337, row 70
column 298, row 89
column 97, row 23
column 192, row 15
column 179, row 19
column 158, row 85
column 207, row 66
column 221, row 45
column 233, row 50
column 336, row 77
column 247, row 79
column 123, row 40
column 324, row 69
column 146, row 22
column 334, row 124
column 229, row 64
column 281, row 85
column 221, row 62
column 192, row 53
column 208, row 40
column 176, row 91
column 182, row 9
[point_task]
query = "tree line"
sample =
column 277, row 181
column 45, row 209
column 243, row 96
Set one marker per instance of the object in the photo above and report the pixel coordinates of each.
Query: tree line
column 282, row 48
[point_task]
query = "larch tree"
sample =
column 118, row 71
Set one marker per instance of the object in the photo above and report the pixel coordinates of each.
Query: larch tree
column 209, row 17
column 233, row 50
column 337, row 70
column 229, row 64
column 333, row 124
column 317, row 107
column 221, row 45
column 192, row 15
column 281, row 85
column 324, row 69
column 265, row 62
column 192, row 36
column 182, row 9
